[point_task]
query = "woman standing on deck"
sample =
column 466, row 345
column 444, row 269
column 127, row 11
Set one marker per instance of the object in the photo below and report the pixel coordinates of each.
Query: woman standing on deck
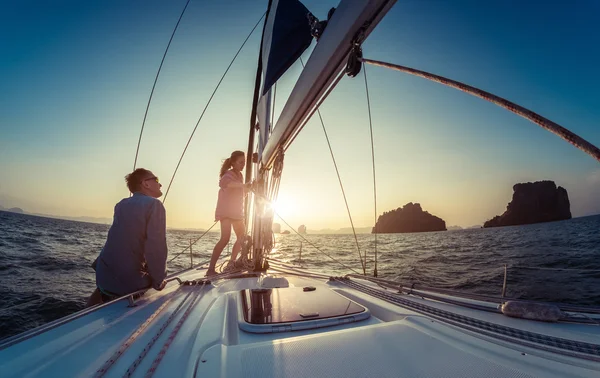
column 230, row 208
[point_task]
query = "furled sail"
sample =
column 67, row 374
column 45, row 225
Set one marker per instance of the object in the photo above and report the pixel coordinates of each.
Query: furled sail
column 286, row 36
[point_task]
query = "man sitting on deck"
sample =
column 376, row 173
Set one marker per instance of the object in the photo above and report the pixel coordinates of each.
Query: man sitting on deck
column 135, row 254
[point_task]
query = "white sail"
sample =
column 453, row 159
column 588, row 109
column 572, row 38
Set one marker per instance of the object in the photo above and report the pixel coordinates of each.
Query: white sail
column 264, row 104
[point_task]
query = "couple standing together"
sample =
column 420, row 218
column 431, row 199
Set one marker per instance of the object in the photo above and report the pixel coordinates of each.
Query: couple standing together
column 135, row 254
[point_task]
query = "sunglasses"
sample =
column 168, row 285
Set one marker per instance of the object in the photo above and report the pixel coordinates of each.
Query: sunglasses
column 153, row 178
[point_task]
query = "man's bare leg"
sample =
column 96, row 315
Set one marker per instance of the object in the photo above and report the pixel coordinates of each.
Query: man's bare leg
column 94, row 299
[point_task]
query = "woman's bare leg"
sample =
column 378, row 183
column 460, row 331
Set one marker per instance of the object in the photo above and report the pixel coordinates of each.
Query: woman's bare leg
column 240, row 230
column 225, row 235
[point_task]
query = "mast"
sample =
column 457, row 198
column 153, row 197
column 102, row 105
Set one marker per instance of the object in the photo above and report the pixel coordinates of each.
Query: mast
column 257, row 82
column 347, row 28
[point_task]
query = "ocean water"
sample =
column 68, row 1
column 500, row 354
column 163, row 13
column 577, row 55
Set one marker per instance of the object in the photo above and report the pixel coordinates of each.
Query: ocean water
column 45, row 268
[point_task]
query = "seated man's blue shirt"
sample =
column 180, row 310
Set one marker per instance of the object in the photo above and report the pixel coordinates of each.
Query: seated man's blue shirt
column 135, row 254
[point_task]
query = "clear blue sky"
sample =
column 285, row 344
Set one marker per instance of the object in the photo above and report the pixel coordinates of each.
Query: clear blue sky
column 75, row 78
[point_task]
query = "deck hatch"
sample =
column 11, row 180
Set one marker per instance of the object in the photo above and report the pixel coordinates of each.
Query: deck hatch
column 294, row 308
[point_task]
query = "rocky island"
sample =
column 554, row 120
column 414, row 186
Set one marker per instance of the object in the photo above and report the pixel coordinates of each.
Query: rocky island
column 536, row 202
column 13, row 210
column 410, row 218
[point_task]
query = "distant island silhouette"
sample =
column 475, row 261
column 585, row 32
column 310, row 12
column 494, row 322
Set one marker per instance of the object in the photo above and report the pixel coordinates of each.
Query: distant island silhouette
column 13, row 210
column 276, row 228
column 19, row 210
column 410, row 218
column 342, row 231
column 536, row 202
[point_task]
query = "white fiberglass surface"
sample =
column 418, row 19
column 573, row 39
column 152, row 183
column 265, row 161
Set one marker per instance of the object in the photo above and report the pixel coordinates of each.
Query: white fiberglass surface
column 413, row 347
column 394, row 341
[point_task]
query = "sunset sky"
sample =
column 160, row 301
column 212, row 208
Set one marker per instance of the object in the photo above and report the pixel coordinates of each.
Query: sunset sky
column 76, row 75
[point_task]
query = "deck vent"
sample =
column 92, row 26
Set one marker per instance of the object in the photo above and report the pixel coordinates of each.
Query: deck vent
column 271, row 282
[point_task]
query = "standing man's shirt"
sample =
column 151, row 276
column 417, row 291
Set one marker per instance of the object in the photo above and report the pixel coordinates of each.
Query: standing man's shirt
column 135, row 254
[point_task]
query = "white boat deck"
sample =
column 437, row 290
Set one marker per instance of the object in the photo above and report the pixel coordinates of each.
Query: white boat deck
column 193, row 331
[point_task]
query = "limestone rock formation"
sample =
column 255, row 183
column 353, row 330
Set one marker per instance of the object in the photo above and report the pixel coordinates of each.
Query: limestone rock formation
column 276, row 228
column 410, row 218
column 536, row 202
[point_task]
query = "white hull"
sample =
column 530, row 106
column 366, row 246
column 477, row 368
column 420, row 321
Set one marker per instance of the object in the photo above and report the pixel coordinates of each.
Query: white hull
column 197, row 332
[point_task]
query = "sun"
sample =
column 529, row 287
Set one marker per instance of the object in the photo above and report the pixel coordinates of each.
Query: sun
column 283, row 207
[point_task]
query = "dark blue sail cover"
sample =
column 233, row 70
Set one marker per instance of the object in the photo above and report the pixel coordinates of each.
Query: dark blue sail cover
column 288, row 31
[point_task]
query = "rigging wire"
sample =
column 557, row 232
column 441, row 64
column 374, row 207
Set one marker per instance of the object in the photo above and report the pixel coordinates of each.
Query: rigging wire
column 208, row 103
column 270, row 203
column 314, row 108
column 373, row 160
column 314, row 246
column 545, row 123
column 362, row 263
column 154, row 85
column 191, row 244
